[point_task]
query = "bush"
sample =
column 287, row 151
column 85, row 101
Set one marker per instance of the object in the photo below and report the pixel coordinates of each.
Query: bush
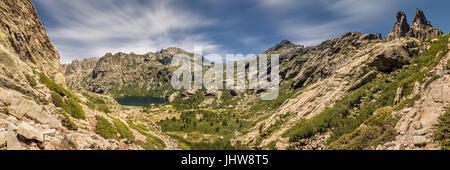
column 55, row 87
column 377, row 130
column 67, row 122
column 441, row 132
column 57, row 99
column 124, row 131
column 151, row 142
column 105, row 129
column 74, row 109
column 6, row 111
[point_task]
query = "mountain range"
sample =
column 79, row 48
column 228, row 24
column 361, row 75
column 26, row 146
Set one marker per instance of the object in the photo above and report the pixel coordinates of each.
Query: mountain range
column 355, row 92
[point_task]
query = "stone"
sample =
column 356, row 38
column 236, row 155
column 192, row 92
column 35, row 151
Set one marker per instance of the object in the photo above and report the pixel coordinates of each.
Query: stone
column 172, row 97
column 3, row 134
column 417, row 125
column 50, row 132
column 25, row 108
column 8, row 126
column 419, row 140
column 282, row 144
column 29, row 132
column 12, row 143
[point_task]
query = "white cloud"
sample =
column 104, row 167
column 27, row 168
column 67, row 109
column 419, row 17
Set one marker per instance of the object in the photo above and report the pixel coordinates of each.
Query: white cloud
column 86, row 28
column 349, row 15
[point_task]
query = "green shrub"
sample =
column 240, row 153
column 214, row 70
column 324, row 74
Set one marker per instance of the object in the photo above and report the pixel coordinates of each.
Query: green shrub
column 441, row 132
column 124, row 131
column 67, row 122
column 152, row 142
column 55, row 87
column 6, row 111
column 31, row 80
column 105, row 129
column 74, row 109
column 57, row 99
column 377, row 130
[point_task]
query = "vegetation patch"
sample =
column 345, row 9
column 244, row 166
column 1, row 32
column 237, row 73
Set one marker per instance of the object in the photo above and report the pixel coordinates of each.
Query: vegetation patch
column 31, row 80
column 68, row 123
column 74, row 109
column 220, row 144
column 57, row 99
column 377, row 130
column 207, row 122
column 152, row 142
column 124, row 131
column 105, row 129
column 55, row 87
column 441, row 132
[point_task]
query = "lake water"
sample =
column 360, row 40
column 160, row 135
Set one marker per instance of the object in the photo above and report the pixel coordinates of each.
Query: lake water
column 140, row 100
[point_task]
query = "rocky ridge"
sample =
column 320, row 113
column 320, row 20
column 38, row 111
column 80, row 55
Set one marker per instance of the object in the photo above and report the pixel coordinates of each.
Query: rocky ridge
column 420, row 28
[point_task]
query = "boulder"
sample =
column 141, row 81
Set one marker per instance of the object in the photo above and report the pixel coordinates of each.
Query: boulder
column 29, row 132
column 419, row 140
column 392, row 55
column 3, row 134
column 21, row 108
column 12, row 143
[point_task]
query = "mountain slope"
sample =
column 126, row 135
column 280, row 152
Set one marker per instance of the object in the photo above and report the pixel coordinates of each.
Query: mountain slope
column 357, row 91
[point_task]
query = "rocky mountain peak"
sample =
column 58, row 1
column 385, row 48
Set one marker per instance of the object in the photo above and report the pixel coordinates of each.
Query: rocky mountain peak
column 401, row 27
column 420, row 20
column 421, row 28
column 281, row 45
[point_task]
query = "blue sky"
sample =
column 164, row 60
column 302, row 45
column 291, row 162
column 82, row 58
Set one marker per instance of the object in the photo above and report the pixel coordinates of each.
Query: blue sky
column 90, row 28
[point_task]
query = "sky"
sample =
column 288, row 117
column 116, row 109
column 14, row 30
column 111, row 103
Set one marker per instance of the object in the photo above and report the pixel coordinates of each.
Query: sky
column 91, row 28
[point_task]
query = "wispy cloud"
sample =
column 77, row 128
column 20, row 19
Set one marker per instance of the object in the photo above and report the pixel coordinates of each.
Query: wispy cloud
column 345, row 15
column 86, row 28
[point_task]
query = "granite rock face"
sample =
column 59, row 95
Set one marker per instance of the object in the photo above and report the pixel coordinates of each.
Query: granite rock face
column 23, row 33
column 420, row 28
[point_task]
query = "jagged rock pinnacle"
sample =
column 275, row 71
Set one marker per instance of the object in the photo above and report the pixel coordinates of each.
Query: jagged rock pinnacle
column 420, row 19
column 401, row 27
column 420, row 28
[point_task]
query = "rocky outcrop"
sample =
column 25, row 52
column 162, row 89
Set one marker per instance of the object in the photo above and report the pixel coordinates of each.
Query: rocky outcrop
column 393, row 55
column 79, row 73
column 22, row 33
column 415, row 126
column 401, row 27
column 420, row 28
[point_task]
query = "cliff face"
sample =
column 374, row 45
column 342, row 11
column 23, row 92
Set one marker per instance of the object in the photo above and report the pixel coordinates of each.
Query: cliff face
column 78, row 73
column 421, row 28
column 23, row 33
